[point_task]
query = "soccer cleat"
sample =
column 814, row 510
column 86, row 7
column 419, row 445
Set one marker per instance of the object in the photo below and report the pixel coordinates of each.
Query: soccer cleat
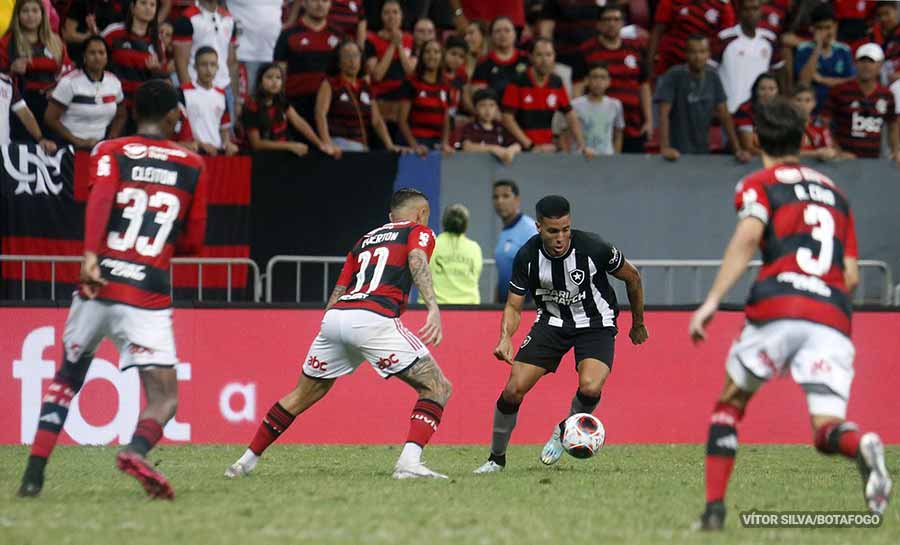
column 29, row 489
column 33, row 479
column 713, row 518
column 416, row 471
column 553, row 449
column 876, row 481
column 154, row 482
column 239, row 469
column 489, row 467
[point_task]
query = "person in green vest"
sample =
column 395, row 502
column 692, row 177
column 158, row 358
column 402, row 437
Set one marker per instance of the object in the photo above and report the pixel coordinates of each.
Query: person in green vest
column 456, row 262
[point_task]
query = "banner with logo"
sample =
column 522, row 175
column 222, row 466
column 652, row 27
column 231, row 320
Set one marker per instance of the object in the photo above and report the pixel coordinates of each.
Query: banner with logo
column 42, row 199
column 236, row 363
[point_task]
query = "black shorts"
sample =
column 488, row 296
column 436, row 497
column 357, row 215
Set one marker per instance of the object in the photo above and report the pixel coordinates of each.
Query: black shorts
column 546, row 345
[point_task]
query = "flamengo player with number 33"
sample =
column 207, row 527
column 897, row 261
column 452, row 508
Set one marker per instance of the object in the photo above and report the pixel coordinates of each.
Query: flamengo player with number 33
column 147, row 202
column 362, row 322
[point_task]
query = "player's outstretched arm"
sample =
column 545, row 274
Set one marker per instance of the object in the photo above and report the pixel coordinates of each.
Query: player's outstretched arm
column 629, row 274
column 512, row 316
column 431, row 332
column 740, row 250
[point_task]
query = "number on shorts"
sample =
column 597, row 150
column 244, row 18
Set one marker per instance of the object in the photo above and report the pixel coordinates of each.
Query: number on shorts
column 823, row 232
column 364, row 259
column 167, row 206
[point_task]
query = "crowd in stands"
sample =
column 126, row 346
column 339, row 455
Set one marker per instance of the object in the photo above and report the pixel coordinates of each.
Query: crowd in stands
column 504, row 77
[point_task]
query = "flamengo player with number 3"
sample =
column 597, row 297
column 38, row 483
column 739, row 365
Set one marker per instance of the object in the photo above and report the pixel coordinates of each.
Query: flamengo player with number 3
column 798, row 312
column 147, row 202
column 362, row 322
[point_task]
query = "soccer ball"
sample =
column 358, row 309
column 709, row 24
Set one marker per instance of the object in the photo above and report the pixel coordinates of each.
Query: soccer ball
column 583, row 435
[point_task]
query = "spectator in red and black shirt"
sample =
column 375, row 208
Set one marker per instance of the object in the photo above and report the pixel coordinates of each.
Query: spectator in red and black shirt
column 305, row 50
column 886, row 33
column 137, row 55
column 346, row 107
column 34, row 56
column 87, row 18
column 628, row 72
column 349, row 18
column 569, row 23
column 389, row 59
column 424, row 113
column 531, row 100
column 817, row 141
column 859, row 109
column 764, row 90
column 676, row 20
column 774, row 14
column 504, row 62
column 268, row 114
column 485, row 134
column 455, row 51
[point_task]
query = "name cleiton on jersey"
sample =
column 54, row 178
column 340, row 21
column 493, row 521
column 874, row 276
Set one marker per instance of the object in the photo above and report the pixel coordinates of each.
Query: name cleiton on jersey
column 147, row 203
column 376, row 272
column 808, row 233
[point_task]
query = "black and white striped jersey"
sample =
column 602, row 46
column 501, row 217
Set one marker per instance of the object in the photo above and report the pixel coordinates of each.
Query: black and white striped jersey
column 571, row 290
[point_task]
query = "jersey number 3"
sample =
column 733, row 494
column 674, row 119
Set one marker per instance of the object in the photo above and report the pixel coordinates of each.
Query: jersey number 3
column 822, row 232
column 167, row 207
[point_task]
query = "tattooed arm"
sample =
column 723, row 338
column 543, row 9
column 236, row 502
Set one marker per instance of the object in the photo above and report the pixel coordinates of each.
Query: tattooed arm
column 335, row 295
column 421, row 275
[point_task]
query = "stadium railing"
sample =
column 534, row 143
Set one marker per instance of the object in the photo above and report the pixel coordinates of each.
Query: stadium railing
column 668, row 267
column 199, row 262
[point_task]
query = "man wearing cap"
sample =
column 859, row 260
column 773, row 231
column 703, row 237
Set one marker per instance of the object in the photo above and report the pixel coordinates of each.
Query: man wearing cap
column 862, row 108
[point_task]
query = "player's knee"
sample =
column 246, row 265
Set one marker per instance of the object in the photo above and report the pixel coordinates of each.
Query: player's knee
column 74, row 373
column 589, row 387
column 512, row 395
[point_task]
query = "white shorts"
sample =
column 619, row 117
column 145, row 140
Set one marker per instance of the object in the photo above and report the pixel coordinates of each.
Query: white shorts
column 143, row 337
column 349, row 337
column 820, row 360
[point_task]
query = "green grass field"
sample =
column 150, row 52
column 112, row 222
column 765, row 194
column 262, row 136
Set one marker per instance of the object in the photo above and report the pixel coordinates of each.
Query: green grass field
column 328, row 494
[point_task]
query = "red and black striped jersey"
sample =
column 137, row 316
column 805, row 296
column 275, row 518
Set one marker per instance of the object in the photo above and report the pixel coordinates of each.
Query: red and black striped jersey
column 345, row 16
column 627, row 72
column 129, row 54
column 457, row 80
column 147, row 203
column 268, row 121
column 391, row 85
column 496, row 73
column 533, row 104
column 683, row 18
column 808, row 232
column 889, row 42
column 308, row 54
column 773, row 15
column 743, row 117
column 350, row 112
column 858, row 119
column 816, row 135
column 376, row 273
column 430, row 104
column 42, row 70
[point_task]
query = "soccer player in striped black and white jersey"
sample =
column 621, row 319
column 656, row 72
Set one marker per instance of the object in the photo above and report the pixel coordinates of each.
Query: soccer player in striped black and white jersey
column 565, row 271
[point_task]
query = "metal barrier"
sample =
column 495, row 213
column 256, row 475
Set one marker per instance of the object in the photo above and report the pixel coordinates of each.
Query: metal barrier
column 200, row 262
column 668, row 266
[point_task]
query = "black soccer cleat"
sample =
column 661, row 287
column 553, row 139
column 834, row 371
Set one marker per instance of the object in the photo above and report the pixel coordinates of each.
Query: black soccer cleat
column 33, row 479
column 713, row 518
column 29, row 489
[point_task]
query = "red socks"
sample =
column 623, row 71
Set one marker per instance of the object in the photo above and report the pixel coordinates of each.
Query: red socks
column 424, row 421
column 837, row 438
column 54, row 410
column 145, row 437
column 277, row 420
column 721, row 449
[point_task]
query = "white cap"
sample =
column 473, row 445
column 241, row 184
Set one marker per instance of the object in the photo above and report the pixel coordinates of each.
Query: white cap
column 871, row 51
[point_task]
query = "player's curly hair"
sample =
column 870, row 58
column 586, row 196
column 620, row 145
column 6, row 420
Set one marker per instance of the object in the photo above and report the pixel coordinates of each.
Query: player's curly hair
column 154, row 99
column 456, row 219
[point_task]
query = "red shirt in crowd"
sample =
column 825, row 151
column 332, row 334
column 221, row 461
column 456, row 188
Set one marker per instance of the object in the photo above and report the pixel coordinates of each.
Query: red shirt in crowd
column 683, row 18
column 430, row 105
column 497, row 73
column 129, row 54
column 533, row 104
column 308, row 54
column 269, row 122
column 390, row 86
column 743, row 117
column 497, row 135
column 773, row 15
column 816, row 136
column 457, row 81
column 350, row 113
column 627, row 72
column 42, row 69
column 487, row 11
column 859, row 118
column 345, row 15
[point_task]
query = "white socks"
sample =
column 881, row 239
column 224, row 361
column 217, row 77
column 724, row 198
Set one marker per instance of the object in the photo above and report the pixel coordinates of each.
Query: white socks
column 248, row 459
column 411, row 455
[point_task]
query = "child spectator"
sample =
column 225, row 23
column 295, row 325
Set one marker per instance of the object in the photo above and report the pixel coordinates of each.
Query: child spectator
column 455, row 51
column 424, row 113
column 266, row 117
column 87, row 105
column 34, row 56
column 206, row 108
column 487, row 135
column 817, row 140
column 764, row 89
column 389, row 62
column 823, row 62
column 602, row 117
column 346, row 106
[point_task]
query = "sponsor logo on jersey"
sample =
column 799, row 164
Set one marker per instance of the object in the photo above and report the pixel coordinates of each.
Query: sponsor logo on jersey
column 427, row 419
column 163, row 154
column 615, row 256
column 154, row 175
column 135, row 150
column 560, row 297
column 861, row 125
column 712, row 15
column 802, row 282
column 577, row 276
column 387, row 361
column 353, row 297
column 315, row 363
column 124, row 269
column 380, row 238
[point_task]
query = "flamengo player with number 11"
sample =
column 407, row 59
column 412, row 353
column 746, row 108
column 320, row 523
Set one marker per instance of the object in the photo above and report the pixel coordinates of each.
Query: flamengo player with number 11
column 147, row 202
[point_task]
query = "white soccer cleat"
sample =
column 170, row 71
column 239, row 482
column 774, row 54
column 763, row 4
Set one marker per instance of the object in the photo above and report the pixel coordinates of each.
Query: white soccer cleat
column 488, row 467
column 416, row 471
column 239, row 469
column 553, row 449
column 876, row 481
